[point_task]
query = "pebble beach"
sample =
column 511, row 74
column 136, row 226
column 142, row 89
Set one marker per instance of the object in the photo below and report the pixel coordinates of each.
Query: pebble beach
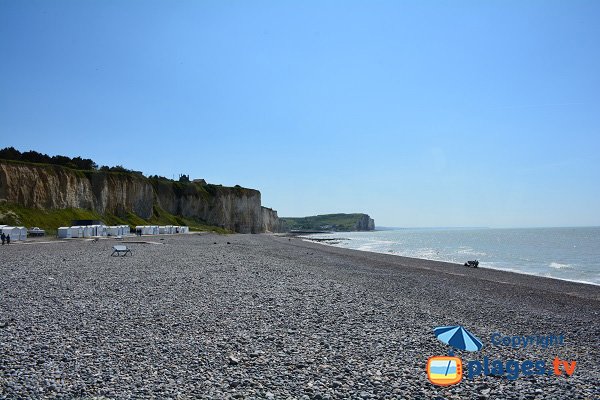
column 272, row 317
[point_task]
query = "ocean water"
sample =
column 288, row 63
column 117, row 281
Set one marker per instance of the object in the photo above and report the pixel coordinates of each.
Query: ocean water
column 562, row 253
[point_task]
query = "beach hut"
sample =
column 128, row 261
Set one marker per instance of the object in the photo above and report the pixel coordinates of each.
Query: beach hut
column 87, row 231
column 64, row 232
column 125, row 230
column 94, row 230
column 113, row 230
column 22, row 233
column 163, row 230
column 184, row 229
column 77, row 231
column 145, row 229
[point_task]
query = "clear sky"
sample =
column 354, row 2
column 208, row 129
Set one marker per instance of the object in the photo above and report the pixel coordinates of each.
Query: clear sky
column 420, row 113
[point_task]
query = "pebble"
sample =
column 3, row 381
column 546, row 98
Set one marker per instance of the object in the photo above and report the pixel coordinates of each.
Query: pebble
column 188, row 319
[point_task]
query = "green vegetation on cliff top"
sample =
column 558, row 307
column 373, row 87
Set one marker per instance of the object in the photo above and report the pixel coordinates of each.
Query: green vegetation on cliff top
column 87, row 167
column 328, row 222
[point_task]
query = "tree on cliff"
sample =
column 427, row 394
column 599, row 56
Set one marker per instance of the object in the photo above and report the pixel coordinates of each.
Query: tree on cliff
column 10, row 153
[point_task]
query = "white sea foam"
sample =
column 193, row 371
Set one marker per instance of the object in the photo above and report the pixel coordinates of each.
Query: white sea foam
column 560, row 266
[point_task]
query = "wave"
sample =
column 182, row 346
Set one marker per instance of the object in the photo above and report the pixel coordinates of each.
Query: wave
column 556, row 265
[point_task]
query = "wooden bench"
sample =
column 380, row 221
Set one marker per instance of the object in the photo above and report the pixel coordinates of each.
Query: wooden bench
column 120, row 251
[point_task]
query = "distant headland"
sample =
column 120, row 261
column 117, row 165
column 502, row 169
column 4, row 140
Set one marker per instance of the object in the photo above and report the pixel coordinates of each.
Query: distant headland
column 329, row 222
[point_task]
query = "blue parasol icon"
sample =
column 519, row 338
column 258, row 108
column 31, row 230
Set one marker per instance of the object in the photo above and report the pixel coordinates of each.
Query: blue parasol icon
column 458, row 337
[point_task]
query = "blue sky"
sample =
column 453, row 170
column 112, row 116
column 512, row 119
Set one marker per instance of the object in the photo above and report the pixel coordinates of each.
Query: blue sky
column 420, row 113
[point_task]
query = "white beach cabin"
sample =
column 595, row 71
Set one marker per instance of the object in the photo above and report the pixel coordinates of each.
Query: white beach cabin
column 77, row 231
column 87, row 231
column 64, row 232
column 22, row 232
column 101, row 230
column 94, row 229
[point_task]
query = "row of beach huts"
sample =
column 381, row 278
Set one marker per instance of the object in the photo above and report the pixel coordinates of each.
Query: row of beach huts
column 89, row 231
column 15, row 232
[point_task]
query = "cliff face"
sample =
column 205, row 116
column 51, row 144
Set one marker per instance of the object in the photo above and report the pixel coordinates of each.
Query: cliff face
column 53, row 187
column 365, row 223
column 49, row 187
column 270, row 220
column 234, row 208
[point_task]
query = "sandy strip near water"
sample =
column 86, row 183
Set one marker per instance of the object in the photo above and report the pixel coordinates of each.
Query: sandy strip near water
column 272, row 317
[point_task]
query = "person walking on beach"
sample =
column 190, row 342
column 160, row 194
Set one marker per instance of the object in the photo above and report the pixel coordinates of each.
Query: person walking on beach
column 7, row 239
column 3, row 236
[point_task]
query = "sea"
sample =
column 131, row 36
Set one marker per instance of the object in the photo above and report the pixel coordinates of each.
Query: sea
column 563, row 253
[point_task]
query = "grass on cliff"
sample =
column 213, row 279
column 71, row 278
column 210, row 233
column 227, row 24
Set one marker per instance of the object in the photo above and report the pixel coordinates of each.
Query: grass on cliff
column 51, row 220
